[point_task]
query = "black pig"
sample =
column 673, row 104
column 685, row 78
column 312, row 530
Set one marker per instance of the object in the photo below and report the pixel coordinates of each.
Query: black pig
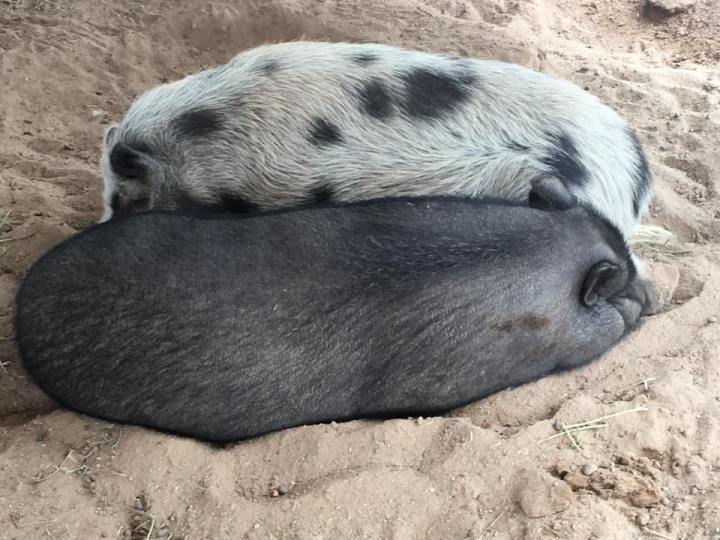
column 225, row 327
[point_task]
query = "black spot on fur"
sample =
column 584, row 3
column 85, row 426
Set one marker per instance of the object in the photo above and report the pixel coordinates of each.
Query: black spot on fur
column 199, row 122
column 641, row 175
column 268, row 67
column 431, row 93
column 234, row 203
column 564, row 161
column 364, row 59
column 376, row 99
column 125, row 161
column 323, row 133
column 321, row 195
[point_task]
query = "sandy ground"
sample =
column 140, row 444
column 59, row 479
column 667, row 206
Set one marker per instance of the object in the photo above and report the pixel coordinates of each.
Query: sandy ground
column 68, row 67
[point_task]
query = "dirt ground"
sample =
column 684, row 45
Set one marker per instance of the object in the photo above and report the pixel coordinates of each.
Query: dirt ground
column 67, row 67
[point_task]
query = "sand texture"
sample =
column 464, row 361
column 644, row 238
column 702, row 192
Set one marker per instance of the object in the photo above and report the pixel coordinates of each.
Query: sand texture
column 68, row 67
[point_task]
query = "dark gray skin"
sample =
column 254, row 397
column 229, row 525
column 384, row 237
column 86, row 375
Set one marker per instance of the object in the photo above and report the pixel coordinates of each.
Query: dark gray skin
column 224, row 328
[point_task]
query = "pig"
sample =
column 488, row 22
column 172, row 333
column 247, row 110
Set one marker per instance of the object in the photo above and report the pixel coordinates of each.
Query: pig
column 224, row 327
column 303, row 123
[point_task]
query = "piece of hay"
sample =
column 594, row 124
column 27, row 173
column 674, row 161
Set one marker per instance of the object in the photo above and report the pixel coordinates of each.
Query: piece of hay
column 570, row 430
column 651, row 234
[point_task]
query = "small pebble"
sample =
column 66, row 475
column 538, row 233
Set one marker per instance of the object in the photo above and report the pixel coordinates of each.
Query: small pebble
column 576, row 481
column 139, row 506
column 274, row 493
column 589, row 468
column 622, row 460
column 559, row 425
column 562, row 469
column 163, row 532
column 282, row 490
column 541, row 496
column 68, row 146
column 671, row 7
column 643, row 519
column 665, row 501
column 712, row 320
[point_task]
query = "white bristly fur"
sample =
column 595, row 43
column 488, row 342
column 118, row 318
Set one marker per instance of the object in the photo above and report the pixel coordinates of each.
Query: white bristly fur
column 493, row 142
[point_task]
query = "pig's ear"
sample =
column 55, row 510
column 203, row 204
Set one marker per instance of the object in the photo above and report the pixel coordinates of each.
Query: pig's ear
column 602, row 281
column 549, row 193
column 111, row 134
column 128, row 162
